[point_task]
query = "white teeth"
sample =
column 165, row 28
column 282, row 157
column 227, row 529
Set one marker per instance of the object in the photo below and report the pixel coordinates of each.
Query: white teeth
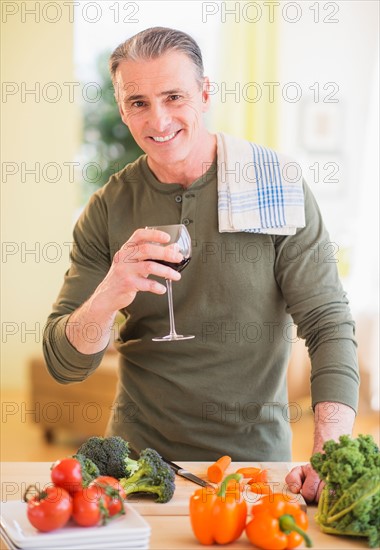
column 166, row 138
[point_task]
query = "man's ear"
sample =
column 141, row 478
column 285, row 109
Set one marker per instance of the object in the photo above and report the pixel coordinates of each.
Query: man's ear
column 206, row 93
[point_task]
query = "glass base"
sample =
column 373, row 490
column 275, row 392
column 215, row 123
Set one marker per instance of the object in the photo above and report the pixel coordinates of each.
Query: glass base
column 172, row 338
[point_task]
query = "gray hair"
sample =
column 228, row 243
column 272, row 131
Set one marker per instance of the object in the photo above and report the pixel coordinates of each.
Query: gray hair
column 154, row 42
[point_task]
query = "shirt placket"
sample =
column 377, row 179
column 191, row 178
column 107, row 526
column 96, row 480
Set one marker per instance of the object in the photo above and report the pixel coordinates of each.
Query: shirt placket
column 188, row 210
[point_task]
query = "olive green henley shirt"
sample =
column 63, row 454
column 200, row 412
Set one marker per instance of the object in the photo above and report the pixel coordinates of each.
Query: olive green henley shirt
column 224, row 392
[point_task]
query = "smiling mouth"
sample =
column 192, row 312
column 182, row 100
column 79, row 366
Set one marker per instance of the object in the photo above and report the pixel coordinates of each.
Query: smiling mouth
column 164, row 139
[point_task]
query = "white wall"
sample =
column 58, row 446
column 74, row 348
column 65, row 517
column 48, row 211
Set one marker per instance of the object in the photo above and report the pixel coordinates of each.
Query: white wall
column 34, row 130
column 343, row 53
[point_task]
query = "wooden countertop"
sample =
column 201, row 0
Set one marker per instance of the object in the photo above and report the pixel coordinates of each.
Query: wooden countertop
column 170, row 523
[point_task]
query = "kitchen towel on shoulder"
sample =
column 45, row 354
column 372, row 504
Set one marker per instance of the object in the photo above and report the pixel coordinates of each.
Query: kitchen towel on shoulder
column 259, row 190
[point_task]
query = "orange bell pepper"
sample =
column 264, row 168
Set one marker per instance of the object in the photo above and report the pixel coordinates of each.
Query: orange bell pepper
column 218, row 516
column 277, row 524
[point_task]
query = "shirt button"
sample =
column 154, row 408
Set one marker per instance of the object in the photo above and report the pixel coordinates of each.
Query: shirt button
column 186, row 221
column 189, row 195
column 178, row 198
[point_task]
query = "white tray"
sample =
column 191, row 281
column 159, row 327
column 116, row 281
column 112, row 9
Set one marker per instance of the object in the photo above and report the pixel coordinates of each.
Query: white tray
column 113, row 546
column 130, row 529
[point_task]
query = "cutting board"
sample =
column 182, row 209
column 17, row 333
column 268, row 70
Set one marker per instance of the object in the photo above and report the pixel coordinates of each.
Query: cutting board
column 179, row 504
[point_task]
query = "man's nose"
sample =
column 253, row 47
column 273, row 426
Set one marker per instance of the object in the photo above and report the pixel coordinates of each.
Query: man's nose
column 160, row 118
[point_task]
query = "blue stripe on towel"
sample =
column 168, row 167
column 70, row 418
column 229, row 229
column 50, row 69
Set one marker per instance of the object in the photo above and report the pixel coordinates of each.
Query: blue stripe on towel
column 269, row 186
column 281, row 195
column 258, row 180
column 274, row 187
column 272, row 182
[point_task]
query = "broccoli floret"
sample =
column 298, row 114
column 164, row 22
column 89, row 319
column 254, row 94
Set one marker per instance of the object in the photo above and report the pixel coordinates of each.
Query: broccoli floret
column 92, row 448
column 117, row 450
column 89, row 469
column 108, row 453
column 149, row 474
column 147, row 464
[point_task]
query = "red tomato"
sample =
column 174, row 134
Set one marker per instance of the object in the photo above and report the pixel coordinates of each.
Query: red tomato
column 49, row 509
column 67, row 473
column 111, row 481
column 111, row 487
column 90, row 507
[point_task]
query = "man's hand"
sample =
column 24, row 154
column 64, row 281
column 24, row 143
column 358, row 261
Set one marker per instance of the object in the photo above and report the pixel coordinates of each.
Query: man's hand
column 128, row 275
column 131, row 267
column 331, row 420
column 304, row 480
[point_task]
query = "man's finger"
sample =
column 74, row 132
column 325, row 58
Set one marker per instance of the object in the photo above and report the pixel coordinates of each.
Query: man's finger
column 152, row 235
column 147, row 285
column 153, row 268
column 310, row 486
column 295, row 478
column 132, row 253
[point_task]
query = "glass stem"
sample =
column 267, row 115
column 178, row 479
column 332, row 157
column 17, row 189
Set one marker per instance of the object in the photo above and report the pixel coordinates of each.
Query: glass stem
column 171, row 312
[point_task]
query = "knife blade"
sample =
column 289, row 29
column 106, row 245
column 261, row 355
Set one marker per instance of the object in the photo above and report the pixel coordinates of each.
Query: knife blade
column 187, row 475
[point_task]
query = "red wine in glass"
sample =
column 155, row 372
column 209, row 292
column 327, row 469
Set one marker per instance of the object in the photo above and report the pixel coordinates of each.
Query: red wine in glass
column 177, row 267
column 180, row 235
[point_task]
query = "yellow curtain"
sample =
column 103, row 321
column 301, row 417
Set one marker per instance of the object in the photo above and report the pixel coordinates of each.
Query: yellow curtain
column 243, row 102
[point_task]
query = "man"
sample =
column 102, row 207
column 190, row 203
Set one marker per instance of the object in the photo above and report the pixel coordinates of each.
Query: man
column 225, row 391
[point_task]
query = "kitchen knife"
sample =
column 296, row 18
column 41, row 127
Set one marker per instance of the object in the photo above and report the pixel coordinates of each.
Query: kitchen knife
column 187, row 475
column 195, row 479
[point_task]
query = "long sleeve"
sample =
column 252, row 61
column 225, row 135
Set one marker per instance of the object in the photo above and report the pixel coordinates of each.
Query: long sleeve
column 90, row 262
column 306, row 271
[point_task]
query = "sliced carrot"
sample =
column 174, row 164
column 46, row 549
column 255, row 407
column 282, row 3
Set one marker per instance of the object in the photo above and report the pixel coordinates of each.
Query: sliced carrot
column 261, row 476
column 216, row 471
column 248, row 472
column 261, row 488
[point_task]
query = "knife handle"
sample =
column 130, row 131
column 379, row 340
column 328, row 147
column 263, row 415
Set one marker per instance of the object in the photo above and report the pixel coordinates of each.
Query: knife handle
column 175, row 467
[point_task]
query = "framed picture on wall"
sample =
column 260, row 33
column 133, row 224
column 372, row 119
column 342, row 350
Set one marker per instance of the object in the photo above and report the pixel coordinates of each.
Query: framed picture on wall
column 321, row 126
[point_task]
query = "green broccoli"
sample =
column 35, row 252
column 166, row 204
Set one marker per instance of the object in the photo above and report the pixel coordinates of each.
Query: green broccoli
column 88, row 468
column 149, row 474
column 350, row 500
column 108, row 453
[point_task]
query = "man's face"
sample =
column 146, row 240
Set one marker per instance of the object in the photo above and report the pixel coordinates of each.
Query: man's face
column 162, row 102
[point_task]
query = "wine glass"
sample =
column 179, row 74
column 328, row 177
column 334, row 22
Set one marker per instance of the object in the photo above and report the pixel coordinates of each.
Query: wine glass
column 180, row 235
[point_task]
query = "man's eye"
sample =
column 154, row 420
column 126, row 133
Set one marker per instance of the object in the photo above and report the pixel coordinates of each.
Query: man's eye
column 138, row 104
column 174, row 97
